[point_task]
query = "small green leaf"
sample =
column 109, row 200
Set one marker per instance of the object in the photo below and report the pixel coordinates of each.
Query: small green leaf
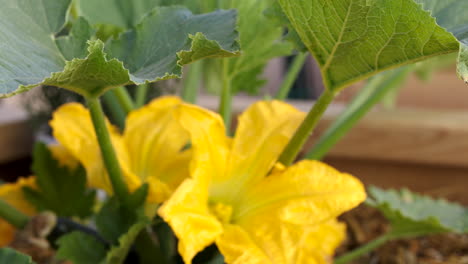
column 74, row 45
column 59, row 187
column 354, row 39
column 8, row 255
column 118, row 253
column 413, row 215
column 114, row 219
column 80, row 248
column 261, row 40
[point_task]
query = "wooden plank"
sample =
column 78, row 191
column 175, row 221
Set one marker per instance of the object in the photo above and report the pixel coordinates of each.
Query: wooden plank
column 16, row 136
column 437, row 181
column 402, row 135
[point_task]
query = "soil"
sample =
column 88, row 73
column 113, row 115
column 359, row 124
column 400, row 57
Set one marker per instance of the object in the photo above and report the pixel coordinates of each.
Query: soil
column 365, row 224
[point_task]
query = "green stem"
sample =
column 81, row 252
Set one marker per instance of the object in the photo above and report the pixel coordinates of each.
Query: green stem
column 124, row 98
column 225, row 105
column 372, row 93
column 308, row 125
column 365, row 248
column 291, row 75
column 107, row 150
column 113, row 106
column 191, row 83
column 12, row 215
column 141, row 93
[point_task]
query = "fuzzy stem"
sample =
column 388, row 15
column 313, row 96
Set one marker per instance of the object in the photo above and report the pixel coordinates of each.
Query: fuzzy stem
column 375, row 89
column 141, row 93
column 107, row 150
column 113, row 105
column 124, row 98
column 12, row 215
column 291, row 76
column 305, row 130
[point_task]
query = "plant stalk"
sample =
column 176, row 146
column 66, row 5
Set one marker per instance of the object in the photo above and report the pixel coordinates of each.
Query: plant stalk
column 291, row 76
column 375, row 89
column 124, row 98
column 12, row 215
column 225, row 106
column 107, row 150
column 141, row 93
column 113, row 105
column 191, row 83
column 307, row 127
column 364, row 249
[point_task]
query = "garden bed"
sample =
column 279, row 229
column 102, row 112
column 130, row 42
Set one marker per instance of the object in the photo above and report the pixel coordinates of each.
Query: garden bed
column 365, row 224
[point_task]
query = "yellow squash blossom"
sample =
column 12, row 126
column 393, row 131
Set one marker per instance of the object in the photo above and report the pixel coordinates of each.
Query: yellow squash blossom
column 12, row 194
column 257, row 211
column 149, row 151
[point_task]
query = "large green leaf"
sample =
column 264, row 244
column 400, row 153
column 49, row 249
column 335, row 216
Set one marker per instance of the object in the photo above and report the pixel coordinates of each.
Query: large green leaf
column 354, row 39
column 80, row 248
column 59, row 187
column 28, row 53
column 155, row 50
column 411, row 214
column 8, row 255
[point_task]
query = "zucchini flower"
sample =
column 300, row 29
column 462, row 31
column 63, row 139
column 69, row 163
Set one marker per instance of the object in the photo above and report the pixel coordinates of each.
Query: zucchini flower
column 254, row 209
column 12, row 194
column 150, row 150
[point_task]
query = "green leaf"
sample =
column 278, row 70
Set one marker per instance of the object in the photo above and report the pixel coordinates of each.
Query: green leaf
column 114, row 219
column 59, row 187
column 260, row 39
column 413, row 215
column 118, row 253
column 149, row 52
column 451, row 15
column 8, row 255
column 80, row 248
column 170, row 37
column 74, row 45
column 121, row 13
column 354, row 39
column 28, row 54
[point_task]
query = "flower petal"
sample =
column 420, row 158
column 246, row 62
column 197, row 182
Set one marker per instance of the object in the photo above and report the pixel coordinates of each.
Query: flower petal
column 12, row 193
column 188, row 214
column 321, row 242
column 238, row 248
column 267, row 240
column 62, row 155
column 309, row 192
column 155, row 140
column 210, row 145
column 263, row 131
column 73, row 128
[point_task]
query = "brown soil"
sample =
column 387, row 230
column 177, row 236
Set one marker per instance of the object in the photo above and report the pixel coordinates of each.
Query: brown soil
column 365, row 224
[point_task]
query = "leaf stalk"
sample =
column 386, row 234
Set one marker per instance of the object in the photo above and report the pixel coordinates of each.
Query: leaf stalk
column 306, row 128
column 12, row 215
column 107, row 150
